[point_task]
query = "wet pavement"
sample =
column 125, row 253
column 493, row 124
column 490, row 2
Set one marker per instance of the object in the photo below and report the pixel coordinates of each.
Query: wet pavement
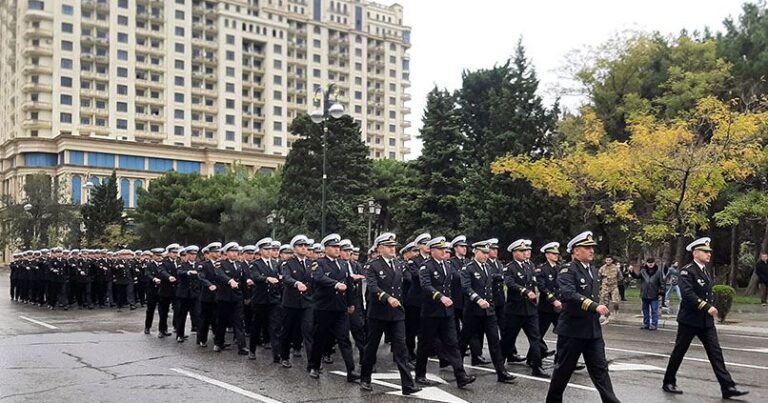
column 102, row 355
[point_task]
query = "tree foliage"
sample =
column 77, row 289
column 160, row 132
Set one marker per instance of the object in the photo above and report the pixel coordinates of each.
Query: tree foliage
column 104, row 208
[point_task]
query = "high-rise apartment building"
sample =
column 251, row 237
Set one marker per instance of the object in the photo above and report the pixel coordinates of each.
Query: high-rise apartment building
column 147, row 86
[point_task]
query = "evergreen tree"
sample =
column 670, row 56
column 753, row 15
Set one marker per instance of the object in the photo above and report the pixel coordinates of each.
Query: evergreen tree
column 348, row 178
column 441, row 165
column 104, row 208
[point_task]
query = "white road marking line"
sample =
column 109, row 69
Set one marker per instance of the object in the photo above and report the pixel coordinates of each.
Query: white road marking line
column 617, row 366
column 720, row 331
column 37, row 322
column 533, row 378
column 224, row 385
column 428, row 393
column 733, row 364
column 762, row 350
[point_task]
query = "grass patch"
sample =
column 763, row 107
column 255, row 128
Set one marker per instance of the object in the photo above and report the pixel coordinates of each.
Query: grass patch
column 740, row 298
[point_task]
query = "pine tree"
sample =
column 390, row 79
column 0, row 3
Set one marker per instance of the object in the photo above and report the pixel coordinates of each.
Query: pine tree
column 104, row 208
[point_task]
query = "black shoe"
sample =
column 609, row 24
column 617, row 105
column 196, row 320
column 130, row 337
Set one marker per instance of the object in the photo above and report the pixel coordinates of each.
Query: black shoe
column 426, row 382
column 480, row 360
column 314, row 374
column 411, row 390
column 251, row 355
column 506, row 377
column 579, row 367
column 516, row 358
column 733, row 392
column 180, row 339
column 444, row 364
column 133, row 307
column 242, row 351
column 202, row 344
column 286, row 364
column 549, row 353
column 464, row 381
column 409, row 366
column 161, row 335
column 146, row 330
column 366, row 386
column 327, row 359
column 670, row 388
column 165, row 333
column 539, row 372
column 352, row 377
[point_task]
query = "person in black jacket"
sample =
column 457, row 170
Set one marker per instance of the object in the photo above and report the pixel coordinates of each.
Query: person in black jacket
column 651, row 288
column 413, row 294
column 297, row 300
column 386, row 315
column 762, row 275
column 479, row 316
column 356, row 277
column 437, row 324
column 264, row 281
column 230, row 282
column 521, row 311
column 166, row 292
column 549, row 303
column 459, row 259
column 207, row 277
column 696, row 318
column 153, row 281
column 187, row 290
column 578, row 329
column 122, row 277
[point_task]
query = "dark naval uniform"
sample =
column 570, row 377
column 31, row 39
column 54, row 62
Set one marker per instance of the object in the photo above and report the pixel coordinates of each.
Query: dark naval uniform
column 356, row 318
column 546, row 279
column 579, row 331
column 229, row 303
column 694, row 321
column 187, row 293
column 265, row 298
column 385, row 280
column 521, row 313
column 412, row 303
column 297, row 306
column 207, row 277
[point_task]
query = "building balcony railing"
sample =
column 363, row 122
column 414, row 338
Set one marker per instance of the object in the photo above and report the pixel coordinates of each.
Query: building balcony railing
column 31, row 33
column 36, row 106
column 36, row 87
column 37, row 15
column 33, row 50
column 37, row 69
column 35, row 124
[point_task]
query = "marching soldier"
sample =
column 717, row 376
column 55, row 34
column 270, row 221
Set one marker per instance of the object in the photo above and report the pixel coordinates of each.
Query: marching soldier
column 187, row 291
column 166, row 272
column 437, row 322
column 264, row 280
column 57, row 280
column 521, row 311
column 230, row 281
column 153, row 281
column 696, row 318
column 611, row 276
column 413, row 295
column 103, row 280
column 499, row 296
column 297, row 300
column 459, row 245
column 207, row 277
column 357, row 316
column 549, row 304
column 15, row 277
column 140, row 280
column 386, row 315
column 332, row 302
column 123, row 277
column 578, row 330
column 479, row 316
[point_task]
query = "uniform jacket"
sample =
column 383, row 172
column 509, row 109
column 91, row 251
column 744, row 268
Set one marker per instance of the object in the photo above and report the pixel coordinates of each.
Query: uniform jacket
column 355, row 286
column 436, row 282
column 207, row 277
column 165, row 270
column 188, row 285
column 580, row 296
column 385, row 281
column 122, row 272
column 546, row 281
column 456, row 287
column 413, row 295
column 57, row 270
column 696, row 289
column 326, row 274
column 294, row 271
column 477, row 283
column 229, row 270
column 499, row 296
column 520, row 279
column 262, row 292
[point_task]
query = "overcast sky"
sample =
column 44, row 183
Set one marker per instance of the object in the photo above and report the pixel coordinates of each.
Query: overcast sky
column 449, row 36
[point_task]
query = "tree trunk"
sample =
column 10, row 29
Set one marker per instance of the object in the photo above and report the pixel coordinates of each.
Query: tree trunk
column 734, row 255
column 764, row 244
column 754, row 285
column 680, row 251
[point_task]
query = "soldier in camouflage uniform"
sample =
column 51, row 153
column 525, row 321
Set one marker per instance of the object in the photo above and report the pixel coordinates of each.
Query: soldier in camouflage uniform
column 611, row 277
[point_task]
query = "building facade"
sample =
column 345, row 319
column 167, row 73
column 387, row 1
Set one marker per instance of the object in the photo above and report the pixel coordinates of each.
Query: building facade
column 147, row 86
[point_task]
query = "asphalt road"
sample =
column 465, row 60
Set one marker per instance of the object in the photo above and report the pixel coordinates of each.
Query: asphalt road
column 103, row 355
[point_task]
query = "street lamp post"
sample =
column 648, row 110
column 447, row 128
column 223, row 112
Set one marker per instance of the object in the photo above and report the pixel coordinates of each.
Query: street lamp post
column 273, row 218
column 326, row 110
column 371, row 209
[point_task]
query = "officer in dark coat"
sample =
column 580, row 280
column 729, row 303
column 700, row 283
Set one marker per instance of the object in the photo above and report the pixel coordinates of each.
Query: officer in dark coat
column 696, row 319
column 386, row 315
column 123, row 277
column 521, row 311
column 356, row 277
column 139, row 280
column 187, row 291
column 578, row 330
column 297, row 300
column 459, row 259
column 207, row 278
column 499, row 296
column 230, row 281
column 57, row 280
column 332, row 302
column 479, row 316
column 437, row 323
column 265, row 294
column 166, row 292
column 14, row 265
column 153, row 284
column 413, row 295
column 102, row 279
column 549, row 304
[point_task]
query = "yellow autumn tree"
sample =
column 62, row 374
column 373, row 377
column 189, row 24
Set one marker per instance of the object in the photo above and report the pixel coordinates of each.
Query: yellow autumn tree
column 661, row 181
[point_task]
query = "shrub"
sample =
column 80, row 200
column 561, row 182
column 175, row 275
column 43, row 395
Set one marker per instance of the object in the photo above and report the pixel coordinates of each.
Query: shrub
column 723, row 300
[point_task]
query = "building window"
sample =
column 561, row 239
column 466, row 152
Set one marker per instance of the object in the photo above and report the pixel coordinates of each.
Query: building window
column 122, row 37
column 179, row 47
column 122, row 107
column 230, row 103
column 66, row 82
column 230, row 119
column 160, row 164
column 178, row 97
column 277, row 141
column 65, row 117
column 77, row 184
column 100, row 160
column 122, row 72
column 178, row 80
column 230, row 55
column 66, row 45
column 66, row 64
column 137, row 185
column 66, row 99
column 229, row 135
column 35, row 5
column 122, row 3
column 316, row 58
column 77, row 158
column 131, row 162
column 179, row 64
column 278, row 80
column 277, row 111
column 122, row 55
column 178, row 114
column 122, row 89
column 179, row 31
column 122, row 124
column 67, row 27
column 277, row 126
column 122, row 20
column 358, row 95
column 178, row 130
column 125, row 192
column 230, row 39
column 188, row 167
column 278, row 49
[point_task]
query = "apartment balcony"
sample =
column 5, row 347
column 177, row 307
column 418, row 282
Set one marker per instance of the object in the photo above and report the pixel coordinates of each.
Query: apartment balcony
column 87, row 57
column 35, row 106
column 203, row 141
column 157, row 118
column 87, row 110
column 36, row 87
column 406, row 110
column 406, row 123
column 406, row 137
column 148, row 135
column 150, row 32
column 150, row 84
column 88, row 4
column 33, row 50
column 32, row 33
column 376, row 49
column 373, row 91
column 35, row 124
column 36, row 69
column 149, row 100
column 93, row 22
column 37, row 15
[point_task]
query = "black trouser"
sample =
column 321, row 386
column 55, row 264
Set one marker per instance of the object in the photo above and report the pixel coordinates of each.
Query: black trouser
column 297, row 323
column 412, row 321
column 358, row 330
column 83, row 293
column 14, row 293
column 262, row 317
column 529, row 324
column 247, row 317
column 57, row 293
column 764, row 295
column 545, row 320
column 140, row 290
column 229, row 313
column 184, row 307
column 395, row 331
column 22, row 293
column 121, row 294
column 475, row 326
column 207, row 320
column 331, row 326
column 621, row 292
column 444, row 330
column 568, row 351
column 151, row 305
column 708, row 338
column 103, row 292
column 163, row 307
